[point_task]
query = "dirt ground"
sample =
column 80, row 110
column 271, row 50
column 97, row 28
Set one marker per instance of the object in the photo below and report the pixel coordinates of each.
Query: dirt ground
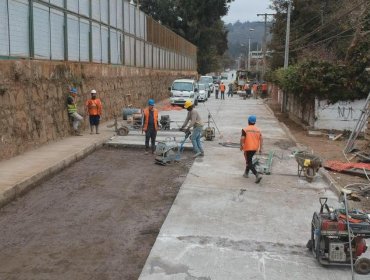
column 324, row 147
column 97, row 219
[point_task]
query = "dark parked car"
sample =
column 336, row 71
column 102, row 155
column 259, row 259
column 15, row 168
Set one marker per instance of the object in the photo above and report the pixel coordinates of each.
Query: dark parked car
column 216, row 79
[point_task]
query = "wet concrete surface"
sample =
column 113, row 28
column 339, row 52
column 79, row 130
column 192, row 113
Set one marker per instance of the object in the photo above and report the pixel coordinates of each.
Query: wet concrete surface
column 97, row 219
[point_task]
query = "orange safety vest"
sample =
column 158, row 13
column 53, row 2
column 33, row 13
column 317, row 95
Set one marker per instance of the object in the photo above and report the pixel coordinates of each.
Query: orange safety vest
column 252, row 140
column 255, row 87
column 94, row 107
column 222, row 87
column 146, row 118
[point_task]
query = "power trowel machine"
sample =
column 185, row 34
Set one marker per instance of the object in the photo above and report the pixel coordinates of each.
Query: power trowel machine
column 338, row 237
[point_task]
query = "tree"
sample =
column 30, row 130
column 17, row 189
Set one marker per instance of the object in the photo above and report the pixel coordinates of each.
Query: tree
column 198, row 21
column 320, row 29
column 330, row 36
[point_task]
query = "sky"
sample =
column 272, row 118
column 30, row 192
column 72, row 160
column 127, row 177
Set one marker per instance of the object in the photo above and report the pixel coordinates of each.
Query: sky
column 247, row 10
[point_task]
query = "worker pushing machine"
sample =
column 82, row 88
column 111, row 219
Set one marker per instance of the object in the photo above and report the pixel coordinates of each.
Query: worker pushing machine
column 196, row 122
column 150, row 125
column 250, row 143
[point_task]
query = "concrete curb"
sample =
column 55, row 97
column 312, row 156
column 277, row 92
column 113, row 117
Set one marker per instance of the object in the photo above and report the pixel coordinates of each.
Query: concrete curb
column 285, row 128
column 333, row 185
column 29, row 183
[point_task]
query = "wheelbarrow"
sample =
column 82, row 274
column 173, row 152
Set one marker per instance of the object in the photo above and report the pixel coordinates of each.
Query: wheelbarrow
column 308, row 164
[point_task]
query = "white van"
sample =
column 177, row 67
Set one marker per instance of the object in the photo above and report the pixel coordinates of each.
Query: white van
column 182, row 90
column 208, row 80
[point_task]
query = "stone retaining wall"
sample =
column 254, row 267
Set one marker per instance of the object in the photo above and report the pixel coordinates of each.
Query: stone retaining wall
column 33, row 97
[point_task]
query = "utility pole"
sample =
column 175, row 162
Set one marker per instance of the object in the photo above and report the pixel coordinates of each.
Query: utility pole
column 264, row 47
column 287, row 37
column 286, row 56
column 249, row 49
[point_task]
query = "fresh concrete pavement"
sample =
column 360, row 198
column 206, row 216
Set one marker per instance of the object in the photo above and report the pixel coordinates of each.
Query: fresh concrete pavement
column 221, row 225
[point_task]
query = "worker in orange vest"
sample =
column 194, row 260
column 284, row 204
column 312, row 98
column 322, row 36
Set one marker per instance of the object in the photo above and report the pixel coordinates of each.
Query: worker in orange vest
column 150, row 125
column 94, row 108
column 254, row 90
column 247, row 89
column 264, row 90
column 250, row 143
column 222, row 89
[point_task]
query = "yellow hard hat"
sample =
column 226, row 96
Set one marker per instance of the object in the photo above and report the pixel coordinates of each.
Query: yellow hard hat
column 187, row 104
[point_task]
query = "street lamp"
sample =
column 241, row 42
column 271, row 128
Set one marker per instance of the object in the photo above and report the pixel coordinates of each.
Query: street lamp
column 249, row 48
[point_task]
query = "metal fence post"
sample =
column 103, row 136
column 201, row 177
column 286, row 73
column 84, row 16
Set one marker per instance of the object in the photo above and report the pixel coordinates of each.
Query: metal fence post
column 65, row 30
column 109, row 54
column 90, row 31
column 31, row 44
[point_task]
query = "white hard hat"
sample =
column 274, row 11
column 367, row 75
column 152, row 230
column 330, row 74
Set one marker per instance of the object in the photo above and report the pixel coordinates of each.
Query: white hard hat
column 93, row 91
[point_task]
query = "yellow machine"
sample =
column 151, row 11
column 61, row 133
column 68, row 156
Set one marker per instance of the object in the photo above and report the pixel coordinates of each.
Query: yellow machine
column 241, row 78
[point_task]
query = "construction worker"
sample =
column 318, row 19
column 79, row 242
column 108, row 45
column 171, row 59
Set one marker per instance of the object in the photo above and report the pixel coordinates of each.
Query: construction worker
column 264, row 90
column 216, row 89
column 94, row 109
column 222, row 89
column 250, row 143
column 230, row 90
column 150, row 125
column 196, row 122
column 255, row 90
column 75, row 117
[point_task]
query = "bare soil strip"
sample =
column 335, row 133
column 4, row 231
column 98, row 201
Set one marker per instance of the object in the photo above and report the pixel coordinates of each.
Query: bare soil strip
column 98, row 219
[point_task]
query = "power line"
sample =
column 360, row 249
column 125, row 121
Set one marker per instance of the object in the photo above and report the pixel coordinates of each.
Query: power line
column 330, row 38
column 321, row 27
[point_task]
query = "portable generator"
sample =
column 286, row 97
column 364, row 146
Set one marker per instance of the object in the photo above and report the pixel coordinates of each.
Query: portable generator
column 338, row 237
column 165, row 122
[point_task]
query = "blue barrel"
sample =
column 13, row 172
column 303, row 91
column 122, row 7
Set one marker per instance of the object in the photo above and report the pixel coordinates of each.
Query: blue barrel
column 130, row 111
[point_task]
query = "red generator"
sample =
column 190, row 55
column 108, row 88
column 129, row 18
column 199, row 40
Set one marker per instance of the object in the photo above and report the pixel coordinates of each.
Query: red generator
column 333, row 243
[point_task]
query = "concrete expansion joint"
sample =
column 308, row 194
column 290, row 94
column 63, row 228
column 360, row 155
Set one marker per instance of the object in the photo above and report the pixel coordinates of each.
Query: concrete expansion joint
column 245, row 245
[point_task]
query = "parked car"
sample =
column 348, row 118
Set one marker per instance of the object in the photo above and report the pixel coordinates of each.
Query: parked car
column 208, row 88
column 216, row 79
column 207, row 80
column 182, row 90
column 224, row 76
column 203, row 92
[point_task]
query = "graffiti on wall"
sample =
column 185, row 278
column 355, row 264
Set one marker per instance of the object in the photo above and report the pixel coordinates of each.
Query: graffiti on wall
column 342, row 110
column 345, row 111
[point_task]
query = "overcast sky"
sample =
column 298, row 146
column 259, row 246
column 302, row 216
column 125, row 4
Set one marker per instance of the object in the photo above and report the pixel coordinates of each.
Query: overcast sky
column 247, row 10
